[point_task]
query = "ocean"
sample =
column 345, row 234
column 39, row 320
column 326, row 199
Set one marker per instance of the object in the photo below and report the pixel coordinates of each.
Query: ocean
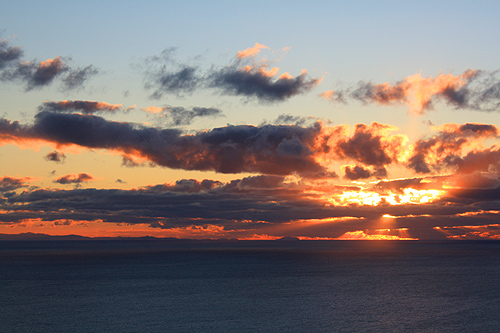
column 249, row 286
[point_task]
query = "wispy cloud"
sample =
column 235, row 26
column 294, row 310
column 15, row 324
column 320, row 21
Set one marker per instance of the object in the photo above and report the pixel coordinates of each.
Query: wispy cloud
column 473, row 89
column 251, row 51
column 55, row 156
column 40, row 74
column 245, row 77
column 181, row 116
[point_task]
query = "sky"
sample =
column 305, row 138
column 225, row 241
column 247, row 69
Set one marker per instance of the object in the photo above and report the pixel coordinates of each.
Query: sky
column 250, row 120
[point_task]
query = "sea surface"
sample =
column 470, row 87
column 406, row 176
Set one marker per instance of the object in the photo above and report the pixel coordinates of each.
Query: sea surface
column 249, row 286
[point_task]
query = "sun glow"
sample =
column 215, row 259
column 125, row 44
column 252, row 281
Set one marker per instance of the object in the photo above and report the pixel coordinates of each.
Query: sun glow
column 369, row 198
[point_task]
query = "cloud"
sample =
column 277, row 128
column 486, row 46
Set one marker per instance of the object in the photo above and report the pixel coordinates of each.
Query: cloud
column 77, row 77
column 86, row 107
column 356, row 172
column 371, row 145
column 254, row 205
column 74, row 179
column 9, row 54
column 257, row 83
column 166, row 76
column 445, row 148
column 482, row 93
column 329, row 95
column 241, row 78
column 40, row 74
column 180, row 116
column 183, row 80
column 55, row 156
column 251, row 51
column 37, row 75
column 288, row 119
column 267, row 149
column 10, row 183
column 417, row 92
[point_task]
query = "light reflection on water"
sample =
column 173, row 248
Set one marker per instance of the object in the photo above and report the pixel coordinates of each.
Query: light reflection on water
column 249, row 286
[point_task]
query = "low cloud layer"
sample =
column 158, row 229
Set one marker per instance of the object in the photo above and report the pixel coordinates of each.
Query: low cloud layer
column 259, row 204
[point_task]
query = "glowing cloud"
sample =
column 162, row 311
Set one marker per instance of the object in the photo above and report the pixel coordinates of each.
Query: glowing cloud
column 370, row 198
column 74, row 179
column 361, row 235
column 251, row 51
column 415, row 91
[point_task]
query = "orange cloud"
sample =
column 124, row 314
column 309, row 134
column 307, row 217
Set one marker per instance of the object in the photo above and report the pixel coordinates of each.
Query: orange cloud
column 154, row 109
column 416, row 91
column 251, row 51
column 328, row 95
column 361, row 235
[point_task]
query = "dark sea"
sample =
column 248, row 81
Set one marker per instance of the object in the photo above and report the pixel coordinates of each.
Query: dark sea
column 249, row 286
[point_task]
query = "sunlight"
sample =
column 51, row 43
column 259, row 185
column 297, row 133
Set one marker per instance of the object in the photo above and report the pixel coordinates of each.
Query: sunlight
column 369, row 198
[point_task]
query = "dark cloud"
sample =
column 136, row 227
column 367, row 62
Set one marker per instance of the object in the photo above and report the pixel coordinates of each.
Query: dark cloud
column 253, row 204
column 9, row 54
column 400, row 185
column 482, row 93
column 366, row 146
column 268, row 149
column 86, row 107
column 379, row 93
column 40, row 74
column 55, row 156
column 356, row 172
column 288, row 119
column 74, row 179
column 180, row 81
column 36, row 75
column 255, row 83
column 181, row 116
column 11, row 183
column 260, row 182
column 165, row 75
column 75, row 78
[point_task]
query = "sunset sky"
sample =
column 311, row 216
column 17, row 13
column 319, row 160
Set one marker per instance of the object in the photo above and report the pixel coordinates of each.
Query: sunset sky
column 250, row 120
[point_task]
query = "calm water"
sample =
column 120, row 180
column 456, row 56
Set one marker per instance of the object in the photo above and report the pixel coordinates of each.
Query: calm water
column 155, row 286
